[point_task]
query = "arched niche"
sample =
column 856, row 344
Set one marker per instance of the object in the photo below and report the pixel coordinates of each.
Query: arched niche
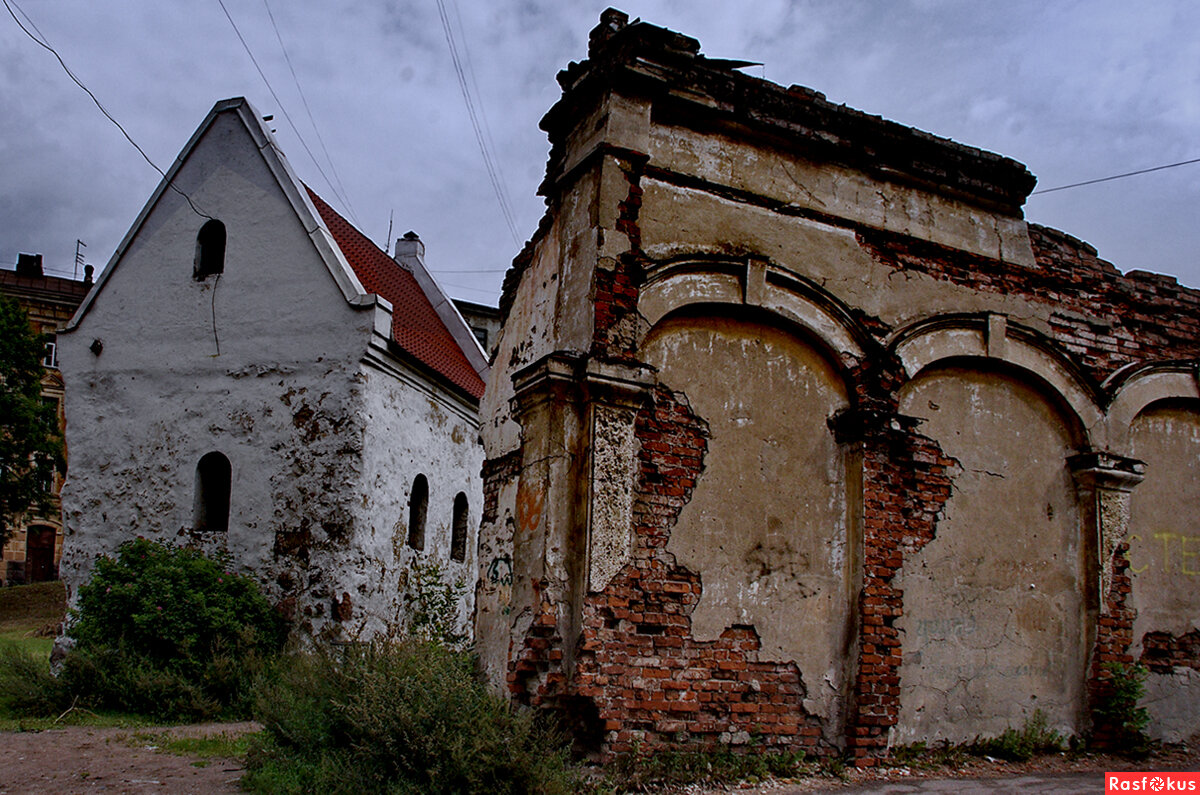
column 766, row 526
column 996, row 342
column 998, row 615
column 1143, row 386
column 1164, row 558
column 754, row 284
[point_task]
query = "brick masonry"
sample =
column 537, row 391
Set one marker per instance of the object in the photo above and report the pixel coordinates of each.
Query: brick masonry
column 637, row 677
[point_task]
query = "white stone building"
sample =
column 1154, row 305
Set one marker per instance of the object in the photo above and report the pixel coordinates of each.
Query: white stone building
column 251, row 374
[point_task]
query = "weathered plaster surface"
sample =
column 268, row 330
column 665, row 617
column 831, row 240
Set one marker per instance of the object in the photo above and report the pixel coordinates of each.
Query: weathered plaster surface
column 679, row 221
column 614, row 468
column 412, row 428
column 1164, row 541
column 766, row 526
column 262, row 363
column 798, row 183
column 994, row 625
column 1173, row 701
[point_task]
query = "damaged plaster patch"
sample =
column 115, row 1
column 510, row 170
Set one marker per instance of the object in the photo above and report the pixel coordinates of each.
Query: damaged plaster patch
column 613, row 470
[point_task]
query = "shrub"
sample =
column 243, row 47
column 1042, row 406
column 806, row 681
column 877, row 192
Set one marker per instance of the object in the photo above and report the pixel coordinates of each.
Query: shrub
column 161, row 631
column 173, row 607
column 404, row 717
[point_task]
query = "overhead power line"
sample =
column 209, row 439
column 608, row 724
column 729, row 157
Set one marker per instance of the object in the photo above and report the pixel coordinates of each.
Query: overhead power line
column 477, row 126
column 287, row 115
column 42, row 42
column 307, row 109
column 1117, row 176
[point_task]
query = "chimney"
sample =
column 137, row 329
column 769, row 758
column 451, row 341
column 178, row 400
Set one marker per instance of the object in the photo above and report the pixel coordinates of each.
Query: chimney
column 409, row 248
column 29, row 265
column 88, row 270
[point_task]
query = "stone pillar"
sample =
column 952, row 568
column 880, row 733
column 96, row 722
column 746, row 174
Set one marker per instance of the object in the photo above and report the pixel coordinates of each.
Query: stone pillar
column 1105, row 483
column 615, row 393
column 574, row 517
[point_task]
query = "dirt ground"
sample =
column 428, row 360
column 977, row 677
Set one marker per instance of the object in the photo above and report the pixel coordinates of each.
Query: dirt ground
column 83, row 759
column 78, row 759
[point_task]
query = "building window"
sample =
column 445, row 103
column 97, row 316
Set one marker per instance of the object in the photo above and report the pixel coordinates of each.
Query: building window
column 211, row 508
column 210, row 250
column 458, row 530
column 418, row 506
column 50, row 353
column 481, row 335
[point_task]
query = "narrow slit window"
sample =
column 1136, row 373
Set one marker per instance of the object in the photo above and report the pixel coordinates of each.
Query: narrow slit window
column 458, row 530
column 210, row 250
column 213, row 481
column 418, row 506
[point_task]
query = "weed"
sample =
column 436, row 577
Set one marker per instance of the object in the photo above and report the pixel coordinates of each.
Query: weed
column 922, row 756
column 662, row 768
column 1118, row 710
column 1019, row 745
column 432, row 604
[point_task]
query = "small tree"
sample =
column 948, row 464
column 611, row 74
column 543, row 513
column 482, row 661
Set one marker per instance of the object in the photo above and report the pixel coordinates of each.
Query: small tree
column 30, row 442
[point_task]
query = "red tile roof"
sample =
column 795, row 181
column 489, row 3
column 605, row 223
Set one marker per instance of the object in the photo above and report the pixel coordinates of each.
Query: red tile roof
column 416, row 327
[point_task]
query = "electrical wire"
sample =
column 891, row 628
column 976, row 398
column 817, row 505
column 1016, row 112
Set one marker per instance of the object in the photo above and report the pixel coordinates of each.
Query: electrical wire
column 307, row 109
column 286, row 115
column 9, row 5
column 1117, row 176
column 476, row 126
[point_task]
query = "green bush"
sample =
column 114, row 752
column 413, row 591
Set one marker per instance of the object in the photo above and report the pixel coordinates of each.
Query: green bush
column 173, row 607
column 160, row 631
column 404, row 717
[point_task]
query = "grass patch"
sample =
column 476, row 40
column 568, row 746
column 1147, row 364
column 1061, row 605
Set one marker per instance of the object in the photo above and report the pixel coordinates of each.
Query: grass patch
column 76, row 717
column 32, row 609
column 31, row 645
column 223, row 745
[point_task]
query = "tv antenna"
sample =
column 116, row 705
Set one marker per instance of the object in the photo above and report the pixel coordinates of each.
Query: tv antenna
column 79, row 244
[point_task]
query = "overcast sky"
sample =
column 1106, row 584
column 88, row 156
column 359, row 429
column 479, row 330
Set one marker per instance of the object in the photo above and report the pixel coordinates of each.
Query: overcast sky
column 1075, row 90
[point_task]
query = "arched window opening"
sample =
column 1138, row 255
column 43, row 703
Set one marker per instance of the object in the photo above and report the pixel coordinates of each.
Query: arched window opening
column 458, row 530
column 210, row 250
column 418, row 505
column 211, row 509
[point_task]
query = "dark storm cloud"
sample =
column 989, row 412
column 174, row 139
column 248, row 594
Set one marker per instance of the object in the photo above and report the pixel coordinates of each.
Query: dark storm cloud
column 1074, row 90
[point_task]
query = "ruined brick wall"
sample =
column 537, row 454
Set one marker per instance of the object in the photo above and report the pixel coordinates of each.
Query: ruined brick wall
column 923, row 328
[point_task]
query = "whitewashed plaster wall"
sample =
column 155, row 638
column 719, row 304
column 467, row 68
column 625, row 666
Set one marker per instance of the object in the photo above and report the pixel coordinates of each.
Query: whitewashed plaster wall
column 260, row 363
column 412, row 427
